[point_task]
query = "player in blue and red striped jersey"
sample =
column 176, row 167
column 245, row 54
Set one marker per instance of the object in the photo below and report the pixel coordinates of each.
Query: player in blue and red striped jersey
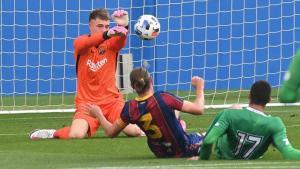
column 154, row 113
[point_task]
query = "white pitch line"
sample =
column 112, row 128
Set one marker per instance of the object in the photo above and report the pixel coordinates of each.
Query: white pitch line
column 199, row 166
column 23, row 134
column 253, row 164
column 30, row 118
column 204, row 167
column 290, row 126
column 13, row 134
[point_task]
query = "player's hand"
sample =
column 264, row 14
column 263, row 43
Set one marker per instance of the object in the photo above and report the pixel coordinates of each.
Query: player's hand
column 236, row 106
column 95, row 110
column 92, row 109
column 117, row 31
column 120, row 17
column 193, row 158
column 197, row 82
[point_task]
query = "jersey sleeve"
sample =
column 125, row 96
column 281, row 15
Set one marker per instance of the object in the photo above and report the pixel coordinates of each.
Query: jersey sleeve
column 116, row 43
column 125, row 114
column 172, row 100
column 282, row 143
column 217, row 128
column 84, row 42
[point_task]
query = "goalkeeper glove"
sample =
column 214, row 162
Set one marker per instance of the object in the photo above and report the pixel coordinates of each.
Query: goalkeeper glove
column 117, row 31
column 120, row 17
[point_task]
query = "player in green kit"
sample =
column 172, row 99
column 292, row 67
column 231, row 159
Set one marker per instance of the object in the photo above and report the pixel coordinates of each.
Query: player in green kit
column 289, row 91
column 246, row 133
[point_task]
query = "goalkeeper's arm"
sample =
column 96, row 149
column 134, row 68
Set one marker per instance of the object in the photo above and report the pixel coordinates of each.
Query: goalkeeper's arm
column 119, row 32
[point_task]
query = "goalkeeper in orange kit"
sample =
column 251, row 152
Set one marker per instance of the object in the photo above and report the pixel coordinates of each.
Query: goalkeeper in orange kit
column 96, row 61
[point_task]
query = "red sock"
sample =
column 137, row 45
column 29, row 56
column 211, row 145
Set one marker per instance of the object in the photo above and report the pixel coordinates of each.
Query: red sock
column 62, row 133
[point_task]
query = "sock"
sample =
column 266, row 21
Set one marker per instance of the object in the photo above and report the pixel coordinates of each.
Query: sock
column 289, row 91
column 62, row 133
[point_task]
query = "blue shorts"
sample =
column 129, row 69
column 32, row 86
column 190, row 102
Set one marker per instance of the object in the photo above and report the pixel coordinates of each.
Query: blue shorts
column 194, row 145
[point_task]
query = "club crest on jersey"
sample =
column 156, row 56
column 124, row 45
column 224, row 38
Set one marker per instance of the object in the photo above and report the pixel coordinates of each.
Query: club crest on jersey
column 101, row 50
column 96, row 66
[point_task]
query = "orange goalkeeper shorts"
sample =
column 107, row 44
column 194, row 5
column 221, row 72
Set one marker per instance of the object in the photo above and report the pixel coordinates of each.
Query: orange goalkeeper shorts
column 111, row 112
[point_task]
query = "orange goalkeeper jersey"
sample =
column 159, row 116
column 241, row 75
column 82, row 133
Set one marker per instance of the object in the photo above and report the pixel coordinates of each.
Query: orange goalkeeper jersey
column 96, row 63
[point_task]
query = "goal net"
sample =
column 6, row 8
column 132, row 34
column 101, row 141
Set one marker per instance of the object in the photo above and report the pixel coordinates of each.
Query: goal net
column 230, row 43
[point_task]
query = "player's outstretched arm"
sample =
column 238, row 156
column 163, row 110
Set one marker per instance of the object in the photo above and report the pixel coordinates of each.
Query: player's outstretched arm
column 111, row 130
column 119, row 32
column 196, row 107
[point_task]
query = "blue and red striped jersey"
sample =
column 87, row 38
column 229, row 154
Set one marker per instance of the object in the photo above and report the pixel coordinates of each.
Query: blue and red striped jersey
column 155, row 115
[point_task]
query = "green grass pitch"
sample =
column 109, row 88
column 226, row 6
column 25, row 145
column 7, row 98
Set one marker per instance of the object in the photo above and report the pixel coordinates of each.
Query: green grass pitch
column 18, row 151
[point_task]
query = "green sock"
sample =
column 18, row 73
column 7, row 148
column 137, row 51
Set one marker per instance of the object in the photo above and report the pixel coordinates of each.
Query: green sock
column 289, row 91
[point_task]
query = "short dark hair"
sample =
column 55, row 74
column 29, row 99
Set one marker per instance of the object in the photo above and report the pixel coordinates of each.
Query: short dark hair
column 260, row 93
column 99, row 13
column 140, row 80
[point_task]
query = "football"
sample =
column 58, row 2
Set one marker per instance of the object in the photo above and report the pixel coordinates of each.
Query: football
column 147, row 27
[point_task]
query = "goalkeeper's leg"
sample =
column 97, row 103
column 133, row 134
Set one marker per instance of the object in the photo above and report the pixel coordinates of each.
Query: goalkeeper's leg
column 62, row 133
column 82, row 125
column 289, row 91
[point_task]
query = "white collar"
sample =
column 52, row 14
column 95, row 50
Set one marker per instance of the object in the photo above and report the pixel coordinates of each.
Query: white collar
column 256, row 111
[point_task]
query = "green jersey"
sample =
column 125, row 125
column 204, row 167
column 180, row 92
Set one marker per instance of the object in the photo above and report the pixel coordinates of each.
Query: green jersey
column 289, row 91
column 246, row 134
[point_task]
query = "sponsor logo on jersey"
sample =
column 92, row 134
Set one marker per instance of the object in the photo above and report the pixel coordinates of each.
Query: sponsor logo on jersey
column 96, row 66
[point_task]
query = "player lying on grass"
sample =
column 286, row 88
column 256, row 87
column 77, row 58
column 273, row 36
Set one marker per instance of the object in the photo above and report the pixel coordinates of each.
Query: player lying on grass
column 289, row 91
column 154, row 113
column 246, row 133
column 96, row 56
